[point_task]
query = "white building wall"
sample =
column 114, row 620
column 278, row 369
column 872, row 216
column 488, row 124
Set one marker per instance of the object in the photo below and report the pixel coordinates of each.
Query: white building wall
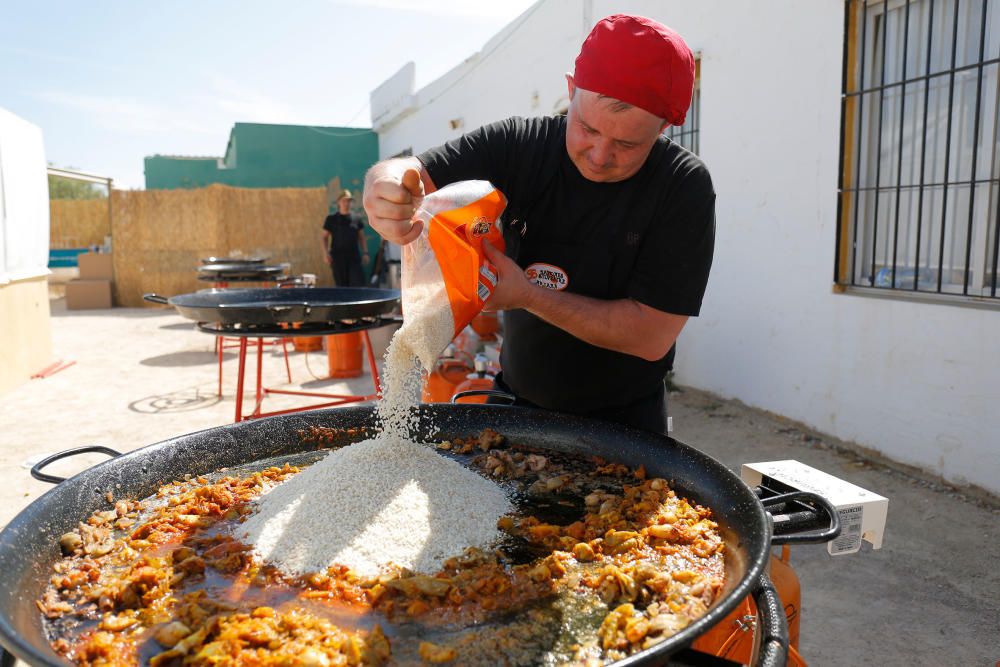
column 917, row 382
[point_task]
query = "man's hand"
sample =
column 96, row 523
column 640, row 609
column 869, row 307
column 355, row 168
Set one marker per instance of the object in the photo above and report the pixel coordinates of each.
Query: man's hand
column 393, row 191
column 513, row 289
column 327, row 258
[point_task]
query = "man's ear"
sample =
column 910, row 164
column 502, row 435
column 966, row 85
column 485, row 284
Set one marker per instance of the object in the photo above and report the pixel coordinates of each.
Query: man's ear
column 571, row 85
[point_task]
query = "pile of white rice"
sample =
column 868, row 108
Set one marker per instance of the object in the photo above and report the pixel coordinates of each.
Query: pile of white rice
column 387, row 501
column 372, row 504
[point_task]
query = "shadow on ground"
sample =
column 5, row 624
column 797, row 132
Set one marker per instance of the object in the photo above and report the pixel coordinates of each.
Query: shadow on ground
column 322, row 383
column 184, row 400
column 180, row 326
column 185, row 358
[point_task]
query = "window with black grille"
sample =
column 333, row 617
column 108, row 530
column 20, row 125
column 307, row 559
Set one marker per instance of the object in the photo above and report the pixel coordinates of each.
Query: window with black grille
column 687, row 134
column 919, row 198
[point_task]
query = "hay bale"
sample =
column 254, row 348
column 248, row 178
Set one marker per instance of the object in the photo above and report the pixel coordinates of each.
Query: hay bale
column 284, row 224
column 160, row 236
column 78, row 223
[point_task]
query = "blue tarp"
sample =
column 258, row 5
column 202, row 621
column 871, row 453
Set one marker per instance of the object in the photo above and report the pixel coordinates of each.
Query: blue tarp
column 64, row 257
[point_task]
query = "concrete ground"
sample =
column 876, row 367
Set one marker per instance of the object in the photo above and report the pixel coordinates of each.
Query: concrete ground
column 930, row 596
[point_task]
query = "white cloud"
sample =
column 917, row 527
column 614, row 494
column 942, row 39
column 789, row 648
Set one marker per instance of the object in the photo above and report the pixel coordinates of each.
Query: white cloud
column 239, row 102
column 126, row 114
column 77, row 63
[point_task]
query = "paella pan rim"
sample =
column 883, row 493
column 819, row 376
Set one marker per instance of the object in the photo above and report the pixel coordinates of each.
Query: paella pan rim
column 314, row 296
column 293, row 304
column 233, row 260
column 29, row 543
column 240, row 266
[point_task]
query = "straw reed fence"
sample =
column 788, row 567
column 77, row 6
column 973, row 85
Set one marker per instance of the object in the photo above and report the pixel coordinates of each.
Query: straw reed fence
column 160, row 236
column 78, row 223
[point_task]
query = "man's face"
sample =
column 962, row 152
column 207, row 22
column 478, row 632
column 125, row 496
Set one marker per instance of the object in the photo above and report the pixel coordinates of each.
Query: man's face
column 607, row 144
column 344, row 204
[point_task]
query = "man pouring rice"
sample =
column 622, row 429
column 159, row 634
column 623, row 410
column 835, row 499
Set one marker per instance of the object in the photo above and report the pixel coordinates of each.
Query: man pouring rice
column 609, row 228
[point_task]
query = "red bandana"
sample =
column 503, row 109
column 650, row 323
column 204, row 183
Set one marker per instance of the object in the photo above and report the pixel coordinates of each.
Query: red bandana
column 640, row 61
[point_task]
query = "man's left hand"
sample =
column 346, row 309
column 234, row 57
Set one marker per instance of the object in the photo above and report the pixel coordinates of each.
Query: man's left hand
column 513, row 288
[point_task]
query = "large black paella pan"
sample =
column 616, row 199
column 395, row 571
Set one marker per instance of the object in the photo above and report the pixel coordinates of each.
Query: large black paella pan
column 29, row 544
column 269, row 306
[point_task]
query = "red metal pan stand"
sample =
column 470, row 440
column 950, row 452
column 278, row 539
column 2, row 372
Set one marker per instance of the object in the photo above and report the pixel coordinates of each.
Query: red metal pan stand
column 255, row 335
column 221, row 342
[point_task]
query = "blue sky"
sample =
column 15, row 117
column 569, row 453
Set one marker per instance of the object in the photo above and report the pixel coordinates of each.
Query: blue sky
column 113, row 81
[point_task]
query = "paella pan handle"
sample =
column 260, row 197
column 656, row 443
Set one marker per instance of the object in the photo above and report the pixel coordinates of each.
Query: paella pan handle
column 773, row 628
column 155, row 298
column 36, row 470
column 288, row 311
column 802, row 510
column 494, row 393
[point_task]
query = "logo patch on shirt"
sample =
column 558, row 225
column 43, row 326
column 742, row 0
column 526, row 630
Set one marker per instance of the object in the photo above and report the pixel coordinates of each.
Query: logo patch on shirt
column 547, row 276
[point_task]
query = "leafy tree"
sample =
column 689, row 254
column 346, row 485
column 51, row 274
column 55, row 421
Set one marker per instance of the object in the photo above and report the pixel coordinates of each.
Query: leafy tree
column 68, row 188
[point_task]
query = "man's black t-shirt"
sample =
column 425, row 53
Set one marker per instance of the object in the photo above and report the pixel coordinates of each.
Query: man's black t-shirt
column 343, row 234
column 648, row 238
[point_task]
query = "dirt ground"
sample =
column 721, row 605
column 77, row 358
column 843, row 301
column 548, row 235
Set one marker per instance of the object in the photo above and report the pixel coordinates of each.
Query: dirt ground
column 930, row 596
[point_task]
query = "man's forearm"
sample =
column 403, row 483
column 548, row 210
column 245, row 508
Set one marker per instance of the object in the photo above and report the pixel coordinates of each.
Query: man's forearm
column 622, row 325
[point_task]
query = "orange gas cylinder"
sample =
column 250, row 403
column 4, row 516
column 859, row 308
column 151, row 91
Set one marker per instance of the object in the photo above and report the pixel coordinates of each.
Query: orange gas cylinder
column 786, row 583
column 466, row 344
column 732, row 637
column 343, row 353
column 306, row 343
column 487, row 325
column 441, row 382
column 481, row 379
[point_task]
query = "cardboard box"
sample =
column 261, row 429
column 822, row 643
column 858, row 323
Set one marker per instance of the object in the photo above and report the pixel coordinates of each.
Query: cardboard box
column 94, row 266
column 86, row 294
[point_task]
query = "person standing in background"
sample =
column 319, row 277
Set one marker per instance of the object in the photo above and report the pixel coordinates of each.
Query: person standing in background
column 344, row 243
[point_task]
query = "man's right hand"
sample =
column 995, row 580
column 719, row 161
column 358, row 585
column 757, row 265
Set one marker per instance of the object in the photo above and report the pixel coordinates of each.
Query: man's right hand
column 393, row 191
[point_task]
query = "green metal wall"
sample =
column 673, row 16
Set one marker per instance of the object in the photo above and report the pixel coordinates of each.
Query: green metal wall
column 180, row 172
column 261, row 155
column 273, row 156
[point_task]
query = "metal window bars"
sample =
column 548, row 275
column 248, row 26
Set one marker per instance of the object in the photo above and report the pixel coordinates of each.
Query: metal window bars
column 919, row 192
column 687, row 134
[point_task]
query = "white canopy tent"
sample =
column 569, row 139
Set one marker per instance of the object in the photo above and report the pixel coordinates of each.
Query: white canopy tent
column 24, row 201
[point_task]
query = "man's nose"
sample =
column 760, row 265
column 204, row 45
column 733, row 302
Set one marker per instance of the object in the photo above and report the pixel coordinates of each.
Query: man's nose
column 600, row 153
